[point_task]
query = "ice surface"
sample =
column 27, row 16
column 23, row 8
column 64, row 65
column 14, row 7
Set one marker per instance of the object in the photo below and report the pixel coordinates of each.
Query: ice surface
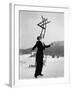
column 53, row 67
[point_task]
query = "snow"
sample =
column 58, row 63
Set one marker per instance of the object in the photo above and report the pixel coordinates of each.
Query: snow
column 53, row 67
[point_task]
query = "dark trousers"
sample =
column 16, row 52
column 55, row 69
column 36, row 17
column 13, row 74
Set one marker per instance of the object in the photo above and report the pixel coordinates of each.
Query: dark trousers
column 39, row 66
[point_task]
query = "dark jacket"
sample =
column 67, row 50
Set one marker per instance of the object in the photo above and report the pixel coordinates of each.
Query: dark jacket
column 40, row 47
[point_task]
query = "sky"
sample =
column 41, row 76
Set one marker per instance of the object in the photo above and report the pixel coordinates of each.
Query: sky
column 29, row 29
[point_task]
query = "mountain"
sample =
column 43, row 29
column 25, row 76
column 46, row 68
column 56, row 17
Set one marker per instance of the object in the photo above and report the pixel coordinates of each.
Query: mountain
column 25, row 51
column 56, row 50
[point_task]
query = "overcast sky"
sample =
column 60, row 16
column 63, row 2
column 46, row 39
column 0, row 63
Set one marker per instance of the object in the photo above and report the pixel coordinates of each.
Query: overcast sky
column 29, row 29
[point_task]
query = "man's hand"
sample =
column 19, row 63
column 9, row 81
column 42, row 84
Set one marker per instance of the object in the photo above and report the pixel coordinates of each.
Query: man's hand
column 52, row 44
column 32, row 53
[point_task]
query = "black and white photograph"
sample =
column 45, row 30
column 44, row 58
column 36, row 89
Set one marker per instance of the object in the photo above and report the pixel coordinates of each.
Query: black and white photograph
column 36, row 44
column 41, row 44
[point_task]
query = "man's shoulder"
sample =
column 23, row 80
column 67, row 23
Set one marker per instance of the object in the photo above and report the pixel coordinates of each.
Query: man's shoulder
column 38, row 41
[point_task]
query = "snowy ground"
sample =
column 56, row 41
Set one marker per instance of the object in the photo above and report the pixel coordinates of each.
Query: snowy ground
column 53, row 68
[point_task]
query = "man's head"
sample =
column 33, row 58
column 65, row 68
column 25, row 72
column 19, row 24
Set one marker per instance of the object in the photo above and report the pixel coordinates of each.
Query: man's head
column 39, row 38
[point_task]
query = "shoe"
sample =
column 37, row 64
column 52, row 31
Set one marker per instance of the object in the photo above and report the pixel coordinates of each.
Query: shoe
column 41, row 74
column 35, row 76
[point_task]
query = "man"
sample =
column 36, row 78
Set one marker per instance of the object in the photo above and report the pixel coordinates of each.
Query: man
column 39, row 56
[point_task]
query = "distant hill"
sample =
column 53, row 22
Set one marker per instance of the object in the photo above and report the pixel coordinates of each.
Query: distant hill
column 56, row 50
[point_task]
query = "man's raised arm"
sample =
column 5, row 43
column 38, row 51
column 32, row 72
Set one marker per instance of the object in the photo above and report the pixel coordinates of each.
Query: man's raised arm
column 46, row 46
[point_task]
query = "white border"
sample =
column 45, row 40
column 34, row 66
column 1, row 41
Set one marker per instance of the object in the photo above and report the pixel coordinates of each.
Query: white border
column 15, row 47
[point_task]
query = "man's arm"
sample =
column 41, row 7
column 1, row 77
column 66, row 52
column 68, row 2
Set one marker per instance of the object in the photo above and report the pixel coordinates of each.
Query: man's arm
column 46, row 46
column 34, row 46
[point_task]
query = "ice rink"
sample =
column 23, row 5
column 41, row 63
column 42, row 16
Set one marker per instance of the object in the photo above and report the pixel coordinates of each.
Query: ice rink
column 53, row 67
